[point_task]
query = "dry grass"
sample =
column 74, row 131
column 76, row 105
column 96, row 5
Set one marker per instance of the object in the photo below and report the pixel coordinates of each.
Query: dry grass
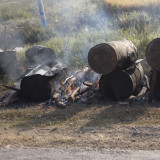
column 105, row 125
column 98, row 126
column 116, row 138
column 32, row 116
column 135, row 3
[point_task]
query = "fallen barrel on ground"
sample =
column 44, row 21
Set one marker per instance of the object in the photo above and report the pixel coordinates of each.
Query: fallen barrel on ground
column 105, row 57
column 40, row 85
column 153, row 54
column 121, row 84
column 37, row 87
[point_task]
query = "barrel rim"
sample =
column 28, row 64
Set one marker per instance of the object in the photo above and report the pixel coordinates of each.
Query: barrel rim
column 105, row 71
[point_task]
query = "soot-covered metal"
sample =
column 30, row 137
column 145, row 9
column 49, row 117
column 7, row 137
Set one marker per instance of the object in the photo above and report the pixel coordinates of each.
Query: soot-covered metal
column 40, row 84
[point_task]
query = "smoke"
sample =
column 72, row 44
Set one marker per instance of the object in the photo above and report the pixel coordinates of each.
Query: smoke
column 80, row 24
column 12, row 36
column 69, row 16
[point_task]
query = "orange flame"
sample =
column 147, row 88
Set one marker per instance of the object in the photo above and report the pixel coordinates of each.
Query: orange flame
column 73, row 86
column 21, row 69
column 69, row 90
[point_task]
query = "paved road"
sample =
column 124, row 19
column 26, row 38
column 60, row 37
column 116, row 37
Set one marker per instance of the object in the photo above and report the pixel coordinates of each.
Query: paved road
column 77, row 154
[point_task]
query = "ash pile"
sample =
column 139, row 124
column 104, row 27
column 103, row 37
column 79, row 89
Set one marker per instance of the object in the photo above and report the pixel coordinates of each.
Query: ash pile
column 115, row 73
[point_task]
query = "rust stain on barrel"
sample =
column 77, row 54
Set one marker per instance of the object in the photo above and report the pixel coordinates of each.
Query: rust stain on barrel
column 121, row 84
column 153, row 54
column 104, row 58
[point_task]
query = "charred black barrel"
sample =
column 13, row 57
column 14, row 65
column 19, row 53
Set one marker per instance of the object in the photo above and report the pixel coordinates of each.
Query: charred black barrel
column 36, row 88
column 156, row 92
column 39, row 55
column 121, row 84
column 105, row 57
column 153, row 54
column 42, row 82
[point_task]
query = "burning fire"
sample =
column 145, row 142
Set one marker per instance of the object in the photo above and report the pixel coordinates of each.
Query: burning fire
column 71, row 88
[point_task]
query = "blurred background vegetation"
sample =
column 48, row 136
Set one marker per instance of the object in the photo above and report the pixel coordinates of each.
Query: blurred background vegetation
column 73, row 27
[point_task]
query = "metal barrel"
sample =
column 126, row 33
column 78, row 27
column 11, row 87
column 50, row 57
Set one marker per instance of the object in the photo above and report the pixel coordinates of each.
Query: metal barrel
column 121, row 84
column 153, row 54
column 40, row 55
column 156, row 92
column 8, row 63
column 105, row 57
column 39, row 86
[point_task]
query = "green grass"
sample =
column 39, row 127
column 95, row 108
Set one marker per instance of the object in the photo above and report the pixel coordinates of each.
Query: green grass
column 15, row 10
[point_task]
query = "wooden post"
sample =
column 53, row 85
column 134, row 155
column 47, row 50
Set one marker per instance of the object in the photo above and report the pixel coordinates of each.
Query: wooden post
column 5, row 45
column 153, row 84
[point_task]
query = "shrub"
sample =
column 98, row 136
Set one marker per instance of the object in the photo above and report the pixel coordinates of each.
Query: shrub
column 15, row 10
column 32, row 32
column 138, row 20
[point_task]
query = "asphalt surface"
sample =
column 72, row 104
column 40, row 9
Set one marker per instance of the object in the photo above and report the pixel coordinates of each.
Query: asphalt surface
column 77, row 154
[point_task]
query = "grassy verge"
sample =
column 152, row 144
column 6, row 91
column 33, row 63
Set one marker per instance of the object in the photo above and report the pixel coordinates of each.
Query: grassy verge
column 31, row 116
column 81, row 126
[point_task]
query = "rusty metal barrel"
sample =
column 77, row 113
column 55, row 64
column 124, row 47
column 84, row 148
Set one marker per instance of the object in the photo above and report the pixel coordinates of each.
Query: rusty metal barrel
column 105, row 57
column 156, row 92
column 153, row 54
column 121, row 84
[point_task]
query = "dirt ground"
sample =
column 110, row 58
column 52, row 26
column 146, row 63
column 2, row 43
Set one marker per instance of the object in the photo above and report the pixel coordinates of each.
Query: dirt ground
column 105, row 125
column 130, row 138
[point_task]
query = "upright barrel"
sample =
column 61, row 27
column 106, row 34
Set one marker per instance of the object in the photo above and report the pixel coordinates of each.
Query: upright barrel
column 153, row 54
column 8, row 63
column 121, row 84
column 156, row 92
column 105, row 57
